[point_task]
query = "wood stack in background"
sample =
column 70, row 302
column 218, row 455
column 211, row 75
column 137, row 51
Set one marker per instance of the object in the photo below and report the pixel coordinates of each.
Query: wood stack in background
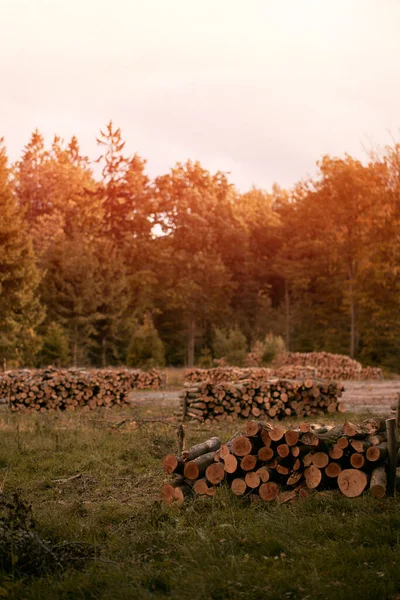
column 260, row 398
column 67, row 389
column 329, row 366
column 234, row 374
column 292, row 365
column 271, row 462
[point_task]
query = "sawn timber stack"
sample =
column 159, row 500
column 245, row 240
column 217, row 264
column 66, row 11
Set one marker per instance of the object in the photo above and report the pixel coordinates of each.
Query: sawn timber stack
column 260, row 398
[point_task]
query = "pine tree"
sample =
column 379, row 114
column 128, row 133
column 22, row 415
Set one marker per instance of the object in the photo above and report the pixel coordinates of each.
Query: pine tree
column 146, row 349
column 55, row 347
column 20, row 309
column 71, row 292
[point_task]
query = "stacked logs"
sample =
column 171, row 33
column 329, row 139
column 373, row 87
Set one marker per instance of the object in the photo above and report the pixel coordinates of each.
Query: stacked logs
column 329, row 366
column 277, row 398
column 270, row 462
column 235, row 374
column 68, row 389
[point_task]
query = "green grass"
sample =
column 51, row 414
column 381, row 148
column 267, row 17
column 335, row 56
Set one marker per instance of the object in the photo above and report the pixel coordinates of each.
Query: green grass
column 220, row 548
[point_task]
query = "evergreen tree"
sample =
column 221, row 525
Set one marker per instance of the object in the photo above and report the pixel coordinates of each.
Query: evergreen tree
column 146, row 349
column 231, row 346
column 55, row 346
column 20, row 309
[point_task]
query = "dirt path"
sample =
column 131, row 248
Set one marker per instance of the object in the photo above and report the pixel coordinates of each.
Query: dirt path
column 372, row 396
column 359, row 396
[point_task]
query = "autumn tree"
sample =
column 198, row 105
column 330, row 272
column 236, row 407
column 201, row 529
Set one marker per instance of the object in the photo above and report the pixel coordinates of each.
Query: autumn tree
column 125, row 202
column 196, row 220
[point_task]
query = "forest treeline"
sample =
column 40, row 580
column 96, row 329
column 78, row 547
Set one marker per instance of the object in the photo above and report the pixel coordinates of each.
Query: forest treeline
column 102, row 265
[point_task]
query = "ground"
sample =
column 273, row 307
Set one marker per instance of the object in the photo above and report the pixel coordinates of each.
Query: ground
column 326, row 547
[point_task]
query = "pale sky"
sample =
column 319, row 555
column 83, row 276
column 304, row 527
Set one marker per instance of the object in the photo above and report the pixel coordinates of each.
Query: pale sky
column 259, row 88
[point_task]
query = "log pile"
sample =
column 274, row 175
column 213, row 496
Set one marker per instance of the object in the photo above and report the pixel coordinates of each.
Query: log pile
column 275, row 398
column 292, row 365
column 329, row 366
column 235, row 374
column 68, row 389
column 269, row 462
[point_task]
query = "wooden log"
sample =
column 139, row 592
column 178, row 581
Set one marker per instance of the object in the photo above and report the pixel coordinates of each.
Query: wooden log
column 294, row 478
column 201, row 486
column 238, row 486
column 172, row 464
column 264, row 473
column 352, row 482
column 357, row 460
column 197, row 467
column 320, row 460
column 230, row 464
column 310, row 439
column 333, row 470
column 248, row 462
column 210, row 445
column 242, row 446
column 378, row 483
column 180, row 494
column 282, row 469
column 265, row 453
column 268, row 491
column 252, row 479
column 342, row 443
column 292, row 437
column 313, row 476
column 360, row 446
column 391, row 435
column 283, row 450
column 335, row 452
column 167, row 493
column 277, row 433
column 215, row 473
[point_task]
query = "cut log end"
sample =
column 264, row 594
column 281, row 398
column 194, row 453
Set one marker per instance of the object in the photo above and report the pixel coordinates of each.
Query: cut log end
column 269, row 491
column 352, row 482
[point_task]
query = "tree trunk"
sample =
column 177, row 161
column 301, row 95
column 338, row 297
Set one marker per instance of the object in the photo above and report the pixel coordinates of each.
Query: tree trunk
column 287, row 316
column 191, row 340
column 75, row 354
column 103, row 352
column 352, row 313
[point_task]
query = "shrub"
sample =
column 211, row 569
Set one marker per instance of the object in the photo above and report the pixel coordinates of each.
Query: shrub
column 146, row 349
column 272, row 347
column 206, row 359
column 231, row 346
column 55, row 348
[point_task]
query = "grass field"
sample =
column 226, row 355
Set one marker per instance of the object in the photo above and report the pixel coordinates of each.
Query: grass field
column 324, row 547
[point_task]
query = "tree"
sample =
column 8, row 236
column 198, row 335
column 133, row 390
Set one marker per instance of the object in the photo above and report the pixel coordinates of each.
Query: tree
column 55, row 346
column 30, row 178
column 124, row 189
column 71, row 293
column 195, row 213
column 20, row 310
column 231, row 346
column 252, row 269
column 327, row 249
column 112, row 285
column 146, row 349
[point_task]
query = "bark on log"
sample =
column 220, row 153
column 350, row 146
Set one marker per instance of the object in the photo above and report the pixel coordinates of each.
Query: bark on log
column 378, row 483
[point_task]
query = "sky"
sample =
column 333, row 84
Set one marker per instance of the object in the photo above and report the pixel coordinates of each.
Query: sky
column 260, row 89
